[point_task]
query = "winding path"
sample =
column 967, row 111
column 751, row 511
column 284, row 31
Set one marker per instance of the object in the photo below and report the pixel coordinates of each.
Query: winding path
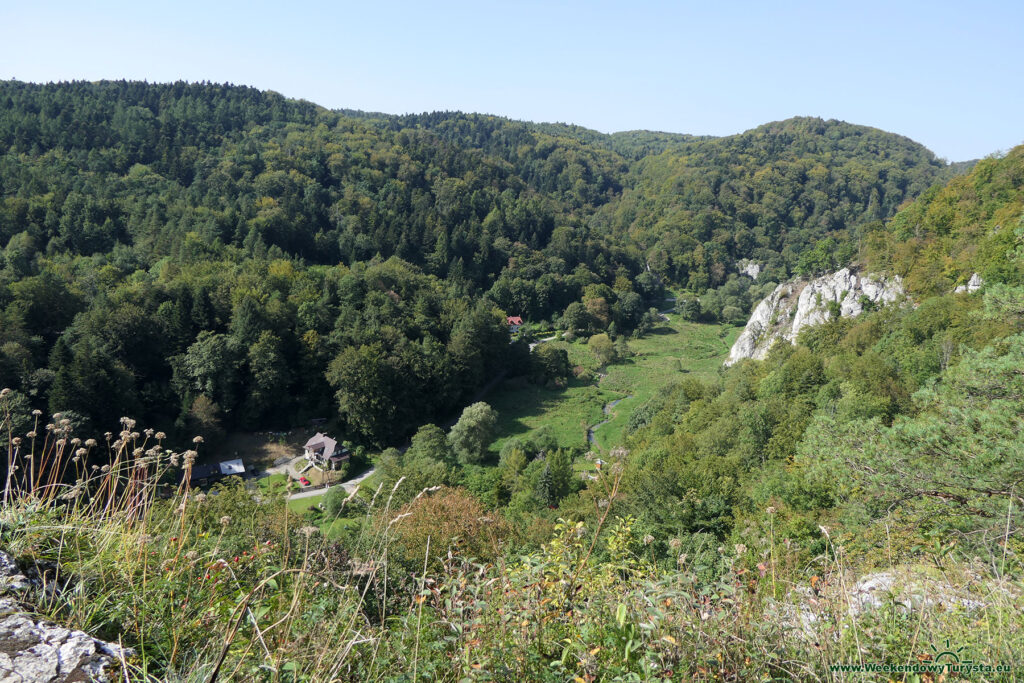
column 607, row 411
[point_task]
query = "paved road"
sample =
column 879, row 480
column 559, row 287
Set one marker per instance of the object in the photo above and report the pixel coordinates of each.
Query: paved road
column 541, row 341
column 349, row 487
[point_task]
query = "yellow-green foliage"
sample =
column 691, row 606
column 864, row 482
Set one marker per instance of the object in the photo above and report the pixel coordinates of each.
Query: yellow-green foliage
column 975, row 223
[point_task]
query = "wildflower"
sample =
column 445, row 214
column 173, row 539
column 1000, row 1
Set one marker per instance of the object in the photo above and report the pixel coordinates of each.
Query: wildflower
column 197, row 440
column 648, row 539
column 175, row 459
column 90, row 443
column 191, row 555
column 37, row 412
column 80, row 452
column 31, row 434
column 190, row 457
column 681, row 560
column 127, row 422
column 308, row 531
column 225, row 520
column 57, row 417
column 50, row 427
column 161, row 435
column 675, row 544
column 16, row 440
column 148, row 432
column 107, row 435
column 200, row 497
column 770, row 510
column 75, row 441
column 740, row 548
column 5, row 392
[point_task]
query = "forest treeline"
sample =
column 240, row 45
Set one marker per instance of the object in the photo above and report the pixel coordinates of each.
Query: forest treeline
column 218, row 256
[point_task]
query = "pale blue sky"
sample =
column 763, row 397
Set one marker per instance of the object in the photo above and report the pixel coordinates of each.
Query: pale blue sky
column 949, row 75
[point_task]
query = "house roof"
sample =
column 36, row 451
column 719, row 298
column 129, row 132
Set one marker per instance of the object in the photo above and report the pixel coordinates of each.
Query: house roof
column 229, row 467
column 323, row 443
column 515, row 320
column 203, row 472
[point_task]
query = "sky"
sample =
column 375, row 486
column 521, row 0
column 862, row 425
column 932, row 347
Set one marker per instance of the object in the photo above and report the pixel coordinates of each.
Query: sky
column 947, row 74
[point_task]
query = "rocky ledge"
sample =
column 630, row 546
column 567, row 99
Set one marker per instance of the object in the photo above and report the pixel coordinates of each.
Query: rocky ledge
column 797, row 304
column 33, row 650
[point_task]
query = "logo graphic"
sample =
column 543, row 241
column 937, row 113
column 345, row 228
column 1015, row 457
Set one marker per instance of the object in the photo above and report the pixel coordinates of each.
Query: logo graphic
column 951, row 656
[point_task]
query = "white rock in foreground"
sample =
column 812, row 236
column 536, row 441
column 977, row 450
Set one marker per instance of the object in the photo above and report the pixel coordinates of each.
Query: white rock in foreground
column 33, row 650
column 797, row 304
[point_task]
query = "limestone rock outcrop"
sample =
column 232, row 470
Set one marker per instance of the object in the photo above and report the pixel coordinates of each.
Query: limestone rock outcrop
column 797, row 304
column 33, row 650
column 973, row 285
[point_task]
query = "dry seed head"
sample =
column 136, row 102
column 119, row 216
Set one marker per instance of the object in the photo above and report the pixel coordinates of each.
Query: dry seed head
column 225, row 520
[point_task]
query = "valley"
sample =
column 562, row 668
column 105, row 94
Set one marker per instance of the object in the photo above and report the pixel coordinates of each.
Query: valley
column 548, row 475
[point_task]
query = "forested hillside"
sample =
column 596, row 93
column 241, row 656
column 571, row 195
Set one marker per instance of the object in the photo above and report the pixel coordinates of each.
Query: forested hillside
column 217, row 256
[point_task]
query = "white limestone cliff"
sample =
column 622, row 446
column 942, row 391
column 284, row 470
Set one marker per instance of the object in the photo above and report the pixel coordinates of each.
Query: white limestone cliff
column 973, row 285
column 797, row 304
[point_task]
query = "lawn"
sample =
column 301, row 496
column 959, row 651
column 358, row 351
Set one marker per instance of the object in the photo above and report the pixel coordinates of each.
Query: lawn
column 524, row 407
column 674, row 350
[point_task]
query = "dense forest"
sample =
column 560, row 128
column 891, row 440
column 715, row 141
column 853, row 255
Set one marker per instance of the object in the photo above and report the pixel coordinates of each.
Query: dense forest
column 219, row 257
column 208, row 258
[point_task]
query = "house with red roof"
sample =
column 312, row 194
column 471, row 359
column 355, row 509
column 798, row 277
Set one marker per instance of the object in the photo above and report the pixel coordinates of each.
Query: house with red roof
column 514, row 323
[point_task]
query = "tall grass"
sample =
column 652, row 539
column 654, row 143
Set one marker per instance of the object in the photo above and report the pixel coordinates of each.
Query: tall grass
column 229, row 584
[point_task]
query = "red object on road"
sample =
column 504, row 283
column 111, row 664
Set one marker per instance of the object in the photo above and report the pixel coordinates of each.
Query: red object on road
column 304, row 481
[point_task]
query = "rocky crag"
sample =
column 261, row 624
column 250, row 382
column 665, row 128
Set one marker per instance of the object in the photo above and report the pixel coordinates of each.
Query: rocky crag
column 33, row 650
column 797, row 304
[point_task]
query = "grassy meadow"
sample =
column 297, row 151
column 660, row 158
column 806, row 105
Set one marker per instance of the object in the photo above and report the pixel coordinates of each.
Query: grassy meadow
column 673, row 350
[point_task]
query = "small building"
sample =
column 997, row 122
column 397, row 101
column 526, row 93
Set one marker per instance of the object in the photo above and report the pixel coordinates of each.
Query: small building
column 232, row 467
column 514, row 323
column 325, row 452
column 204, row 475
